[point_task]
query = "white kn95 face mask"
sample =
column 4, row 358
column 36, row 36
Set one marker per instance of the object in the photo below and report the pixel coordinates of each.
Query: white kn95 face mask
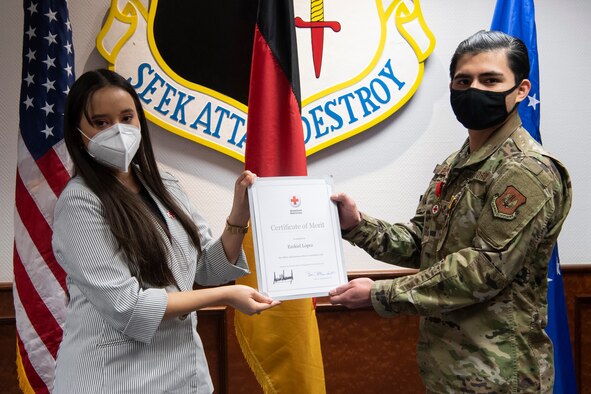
column 115, row 146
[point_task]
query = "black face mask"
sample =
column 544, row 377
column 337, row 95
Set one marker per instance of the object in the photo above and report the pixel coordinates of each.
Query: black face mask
column 480, row 109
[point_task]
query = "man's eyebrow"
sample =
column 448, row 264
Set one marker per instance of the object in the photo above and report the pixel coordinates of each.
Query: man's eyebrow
column 486, row 74
column 491, row 74
column 462, row 75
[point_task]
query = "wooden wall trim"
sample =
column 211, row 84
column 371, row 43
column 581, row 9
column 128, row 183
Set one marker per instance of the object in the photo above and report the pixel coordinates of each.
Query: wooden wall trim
column 578, row 267
column 580, row 302
column 399, row 271
column 381, row 274
column 7, row 320
column 6, row 304
column 391, row 273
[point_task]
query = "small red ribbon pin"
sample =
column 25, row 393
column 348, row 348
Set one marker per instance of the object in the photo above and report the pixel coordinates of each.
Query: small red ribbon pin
column 438, row 188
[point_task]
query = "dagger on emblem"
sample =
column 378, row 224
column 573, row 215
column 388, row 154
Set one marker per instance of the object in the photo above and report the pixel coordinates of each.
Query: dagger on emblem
column 317, row 25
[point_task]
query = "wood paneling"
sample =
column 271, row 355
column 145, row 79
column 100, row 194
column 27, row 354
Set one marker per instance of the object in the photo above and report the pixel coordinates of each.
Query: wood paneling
column 362, row 352
column 8, row 355
column 7, row 341
column 211, row 325
column 241, row 380
column 577, row 291
column 582, row 341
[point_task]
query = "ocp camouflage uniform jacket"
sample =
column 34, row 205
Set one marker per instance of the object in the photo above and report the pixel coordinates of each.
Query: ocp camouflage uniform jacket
column 482, row 237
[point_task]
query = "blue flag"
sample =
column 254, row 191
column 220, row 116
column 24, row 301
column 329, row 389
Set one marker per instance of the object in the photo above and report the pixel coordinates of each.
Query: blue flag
column 517, row 18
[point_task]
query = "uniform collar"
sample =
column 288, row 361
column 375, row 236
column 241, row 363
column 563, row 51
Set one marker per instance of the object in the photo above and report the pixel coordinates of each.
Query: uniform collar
column 496, row 139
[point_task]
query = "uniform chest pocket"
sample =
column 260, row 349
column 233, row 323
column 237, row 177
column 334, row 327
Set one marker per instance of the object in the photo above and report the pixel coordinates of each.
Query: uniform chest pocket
column 461, row 218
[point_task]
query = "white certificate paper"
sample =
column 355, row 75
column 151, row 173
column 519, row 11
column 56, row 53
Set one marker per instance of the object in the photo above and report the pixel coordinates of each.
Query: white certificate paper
column 297, row 237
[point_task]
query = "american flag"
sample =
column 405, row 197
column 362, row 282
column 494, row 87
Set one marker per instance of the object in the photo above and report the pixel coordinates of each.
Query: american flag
column 43, row 170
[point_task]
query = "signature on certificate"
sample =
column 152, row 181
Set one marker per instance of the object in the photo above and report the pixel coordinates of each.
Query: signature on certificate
column 282, row 277
column 321, row 274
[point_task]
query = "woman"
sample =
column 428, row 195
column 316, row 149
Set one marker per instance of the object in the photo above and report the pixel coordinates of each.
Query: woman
column 132, row 247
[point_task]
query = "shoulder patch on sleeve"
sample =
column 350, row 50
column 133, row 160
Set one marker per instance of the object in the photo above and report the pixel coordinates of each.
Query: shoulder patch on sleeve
column 505, row 206
column 514, row 199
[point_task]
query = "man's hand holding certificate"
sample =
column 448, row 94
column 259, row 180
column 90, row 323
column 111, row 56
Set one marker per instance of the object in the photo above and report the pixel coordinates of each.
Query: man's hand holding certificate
column 297, row 239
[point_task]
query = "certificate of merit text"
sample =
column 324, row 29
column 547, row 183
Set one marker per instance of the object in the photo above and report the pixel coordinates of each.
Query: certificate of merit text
column 297, row 237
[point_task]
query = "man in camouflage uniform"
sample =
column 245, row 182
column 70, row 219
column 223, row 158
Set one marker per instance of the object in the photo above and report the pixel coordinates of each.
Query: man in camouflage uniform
column 482, row 237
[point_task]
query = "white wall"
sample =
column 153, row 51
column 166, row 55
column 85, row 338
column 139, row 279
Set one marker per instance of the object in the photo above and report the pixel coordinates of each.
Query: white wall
column 385, row 168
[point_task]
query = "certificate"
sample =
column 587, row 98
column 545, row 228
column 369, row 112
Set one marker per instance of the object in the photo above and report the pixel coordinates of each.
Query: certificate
column 297, row 237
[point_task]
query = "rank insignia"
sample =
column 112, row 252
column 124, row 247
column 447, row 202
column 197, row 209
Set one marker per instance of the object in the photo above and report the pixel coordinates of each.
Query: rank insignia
column 505, row 205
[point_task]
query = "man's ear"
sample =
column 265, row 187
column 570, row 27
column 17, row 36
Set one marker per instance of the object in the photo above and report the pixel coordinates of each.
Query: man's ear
column 523, row 90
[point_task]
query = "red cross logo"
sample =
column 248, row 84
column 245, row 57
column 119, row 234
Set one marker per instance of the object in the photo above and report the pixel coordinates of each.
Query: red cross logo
column 295, row 202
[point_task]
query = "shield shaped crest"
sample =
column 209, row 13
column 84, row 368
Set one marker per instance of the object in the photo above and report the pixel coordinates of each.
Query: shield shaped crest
column 359, row 61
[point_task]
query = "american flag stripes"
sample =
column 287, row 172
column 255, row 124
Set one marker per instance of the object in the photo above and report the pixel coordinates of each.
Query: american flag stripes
column 42, row 172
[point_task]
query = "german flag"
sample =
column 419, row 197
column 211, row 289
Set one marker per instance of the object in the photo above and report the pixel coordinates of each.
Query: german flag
column 282, row 345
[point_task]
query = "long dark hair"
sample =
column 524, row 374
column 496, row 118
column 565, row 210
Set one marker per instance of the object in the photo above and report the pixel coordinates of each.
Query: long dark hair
column 135, row 227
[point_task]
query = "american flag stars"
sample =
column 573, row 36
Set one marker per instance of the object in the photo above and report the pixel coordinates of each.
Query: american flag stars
column 47, row 48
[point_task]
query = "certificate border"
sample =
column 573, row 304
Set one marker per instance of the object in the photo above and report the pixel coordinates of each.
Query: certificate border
column 257, row 237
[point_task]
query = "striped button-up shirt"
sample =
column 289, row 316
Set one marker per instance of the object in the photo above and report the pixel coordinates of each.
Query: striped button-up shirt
column 115, row 340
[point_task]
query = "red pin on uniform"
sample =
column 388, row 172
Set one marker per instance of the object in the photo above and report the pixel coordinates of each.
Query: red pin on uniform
column 438, row 188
